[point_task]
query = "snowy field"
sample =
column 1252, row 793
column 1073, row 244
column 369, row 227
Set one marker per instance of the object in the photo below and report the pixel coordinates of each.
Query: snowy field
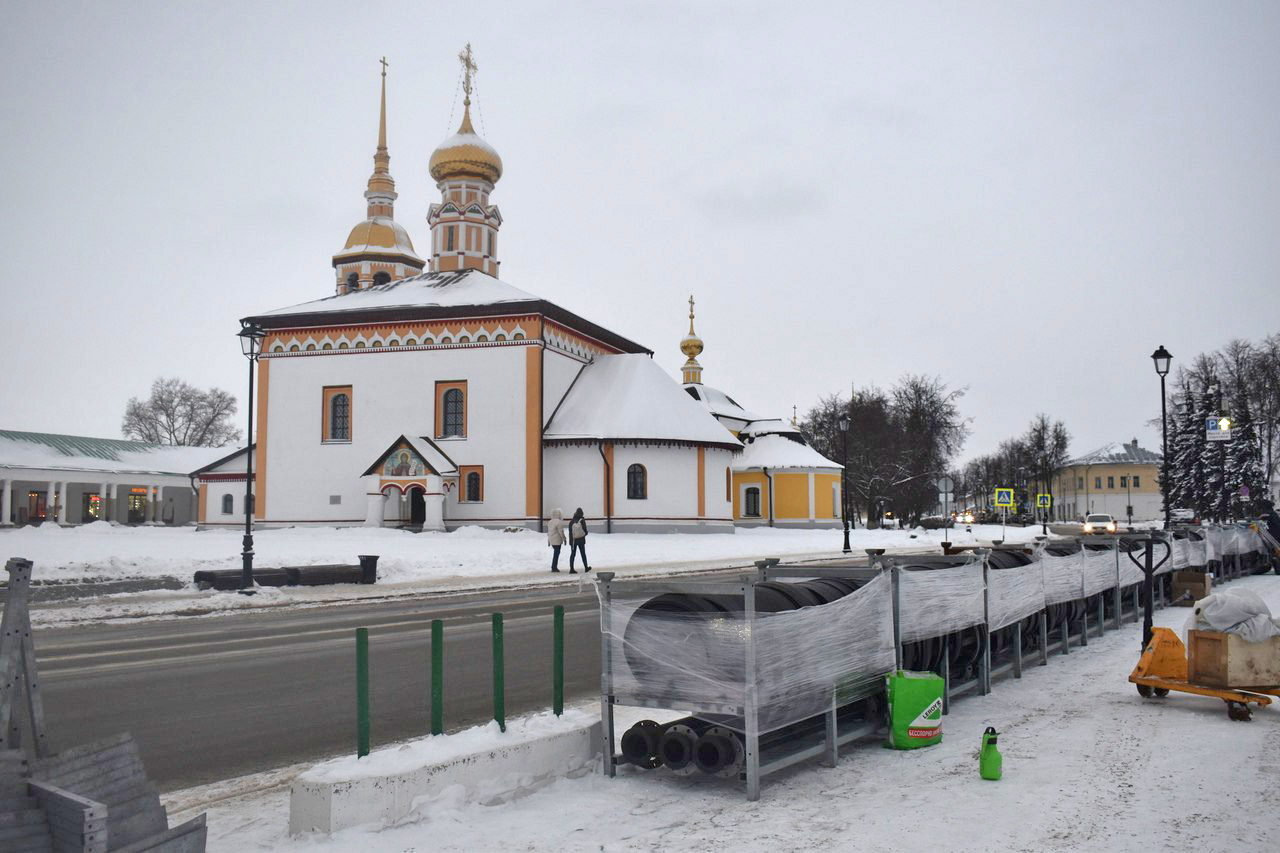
column 1088, row 765
column 100, row 551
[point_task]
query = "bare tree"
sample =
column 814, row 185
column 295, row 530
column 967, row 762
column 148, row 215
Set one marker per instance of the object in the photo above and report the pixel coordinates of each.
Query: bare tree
column 180, row 414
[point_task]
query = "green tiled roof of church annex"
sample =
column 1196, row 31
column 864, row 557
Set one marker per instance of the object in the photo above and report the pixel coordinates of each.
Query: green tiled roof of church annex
column 79, row 445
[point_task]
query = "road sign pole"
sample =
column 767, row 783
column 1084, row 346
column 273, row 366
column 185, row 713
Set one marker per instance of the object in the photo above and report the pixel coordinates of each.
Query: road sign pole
column 499, row 681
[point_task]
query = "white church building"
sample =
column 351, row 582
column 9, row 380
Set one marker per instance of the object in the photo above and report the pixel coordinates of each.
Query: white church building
column 450, row 397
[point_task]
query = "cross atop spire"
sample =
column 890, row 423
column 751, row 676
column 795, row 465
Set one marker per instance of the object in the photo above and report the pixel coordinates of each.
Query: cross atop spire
column 382, row 113
column 691, row 313
column 469, row 68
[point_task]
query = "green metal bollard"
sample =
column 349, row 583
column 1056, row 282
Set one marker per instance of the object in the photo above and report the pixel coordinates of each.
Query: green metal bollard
column 557, row 662
column 499, row 687
column 362, row 692
column 437, row 676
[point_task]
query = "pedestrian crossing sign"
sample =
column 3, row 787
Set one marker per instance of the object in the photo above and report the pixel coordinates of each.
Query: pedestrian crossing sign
column 1004, row 498
column 1044, row 501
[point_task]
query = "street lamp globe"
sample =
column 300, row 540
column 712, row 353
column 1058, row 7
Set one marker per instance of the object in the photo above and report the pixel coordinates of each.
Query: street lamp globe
column 843, row 423
column 1162, row 357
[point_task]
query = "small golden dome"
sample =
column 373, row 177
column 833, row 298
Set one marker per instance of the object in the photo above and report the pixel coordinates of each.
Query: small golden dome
column 691, row 346
column 378, row 235
column 465, row 154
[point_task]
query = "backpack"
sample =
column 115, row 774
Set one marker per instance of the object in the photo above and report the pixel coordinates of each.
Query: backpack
column 580, row 528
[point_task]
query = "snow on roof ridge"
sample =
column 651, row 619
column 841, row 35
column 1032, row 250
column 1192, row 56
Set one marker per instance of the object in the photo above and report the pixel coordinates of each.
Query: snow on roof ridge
column 628, row 396
column 774, row 450
column 443, row 289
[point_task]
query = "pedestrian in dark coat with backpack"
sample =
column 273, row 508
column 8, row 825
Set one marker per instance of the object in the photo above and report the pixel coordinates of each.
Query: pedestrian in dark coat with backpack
column 578, row 540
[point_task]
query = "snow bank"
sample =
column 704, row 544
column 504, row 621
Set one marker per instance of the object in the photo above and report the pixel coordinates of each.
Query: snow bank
column 481, row 764
column 101, row 551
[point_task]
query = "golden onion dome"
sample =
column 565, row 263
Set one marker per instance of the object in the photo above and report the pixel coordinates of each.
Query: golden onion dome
column 378, row 235
column 691, row 345
column 465, row 154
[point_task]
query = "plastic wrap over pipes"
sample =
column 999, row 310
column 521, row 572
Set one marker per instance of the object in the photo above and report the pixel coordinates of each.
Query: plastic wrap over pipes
column 689, row 650
column 1180, row 553
column 933, row 602
column 1063, row 577
column 1099, row 570
column 1014, row 593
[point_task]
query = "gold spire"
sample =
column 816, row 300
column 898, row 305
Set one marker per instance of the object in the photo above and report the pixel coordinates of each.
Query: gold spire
column 382, row 188
column 692, row 347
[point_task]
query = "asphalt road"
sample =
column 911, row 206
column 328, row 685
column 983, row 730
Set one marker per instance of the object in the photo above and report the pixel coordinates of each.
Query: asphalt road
column 212, row 698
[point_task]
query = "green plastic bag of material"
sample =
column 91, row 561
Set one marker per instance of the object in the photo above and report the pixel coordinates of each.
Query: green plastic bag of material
column 915, row 709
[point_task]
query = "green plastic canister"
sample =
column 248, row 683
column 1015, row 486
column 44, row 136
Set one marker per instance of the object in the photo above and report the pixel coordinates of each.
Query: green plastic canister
column 915, row 709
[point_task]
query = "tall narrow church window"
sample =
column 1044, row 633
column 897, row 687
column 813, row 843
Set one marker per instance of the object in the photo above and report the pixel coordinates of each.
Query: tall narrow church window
column 228, row 504
column 751, row 503
column 381, row 278
column 491, row 244
column 448, row 238
column 451, row 409
column 637, row 485
column 340, row 418
column 353, row 282
column 472, row 483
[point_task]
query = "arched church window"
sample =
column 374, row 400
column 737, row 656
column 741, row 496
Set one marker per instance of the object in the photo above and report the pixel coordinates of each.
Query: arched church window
column 340, row 418
column 381, row 278
column 473, row 486
column 751, row 502
column 353, row 282
column 448, row 238
column 454, row 422
column 637, row 483
column 228, row 504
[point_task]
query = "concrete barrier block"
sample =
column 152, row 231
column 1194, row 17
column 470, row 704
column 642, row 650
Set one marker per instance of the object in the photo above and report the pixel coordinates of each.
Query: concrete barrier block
column 387, row 785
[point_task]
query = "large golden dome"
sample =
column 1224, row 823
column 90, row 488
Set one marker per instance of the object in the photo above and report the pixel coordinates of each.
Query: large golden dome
column 465, row 154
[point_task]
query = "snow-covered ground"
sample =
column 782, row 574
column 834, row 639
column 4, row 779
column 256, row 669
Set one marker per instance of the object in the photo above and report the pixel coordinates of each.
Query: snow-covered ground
column 409, row 562
column 1088, row 765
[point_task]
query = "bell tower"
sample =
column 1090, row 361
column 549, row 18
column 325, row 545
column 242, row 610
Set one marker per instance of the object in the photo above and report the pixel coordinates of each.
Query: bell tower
column 464, row 225
column 378, row 250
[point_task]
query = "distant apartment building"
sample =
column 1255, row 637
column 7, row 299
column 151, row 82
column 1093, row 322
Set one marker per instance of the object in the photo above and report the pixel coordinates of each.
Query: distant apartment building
column 1120, row 479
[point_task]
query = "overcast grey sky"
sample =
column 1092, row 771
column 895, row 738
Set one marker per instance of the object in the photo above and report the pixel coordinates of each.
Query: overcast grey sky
column 1023, row 198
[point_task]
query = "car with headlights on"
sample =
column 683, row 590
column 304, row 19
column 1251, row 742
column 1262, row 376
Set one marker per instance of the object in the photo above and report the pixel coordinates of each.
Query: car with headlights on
column 1099, row 522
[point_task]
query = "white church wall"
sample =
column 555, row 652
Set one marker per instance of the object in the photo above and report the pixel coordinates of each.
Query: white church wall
column 574, row 477
column 719, row 503
column 393, row 393
column 672, row 495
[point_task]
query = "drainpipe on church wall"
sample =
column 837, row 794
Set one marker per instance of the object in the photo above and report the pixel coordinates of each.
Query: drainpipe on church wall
column 608, row 490
column 769, row 477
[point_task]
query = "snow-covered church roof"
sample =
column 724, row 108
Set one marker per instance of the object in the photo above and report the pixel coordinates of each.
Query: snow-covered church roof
column 774, row 450
column 719, row 403
column 629, row 397
column 434, row 295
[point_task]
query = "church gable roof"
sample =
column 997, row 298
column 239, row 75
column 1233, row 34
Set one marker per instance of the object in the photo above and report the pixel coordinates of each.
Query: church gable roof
column 420, row 449
column 628, row 397
column 434, row 295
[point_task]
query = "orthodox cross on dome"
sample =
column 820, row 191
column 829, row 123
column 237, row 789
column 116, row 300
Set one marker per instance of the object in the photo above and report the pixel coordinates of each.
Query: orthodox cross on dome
column 384, row 63
column 793, row 415
column 691, row 346
column 469, row 68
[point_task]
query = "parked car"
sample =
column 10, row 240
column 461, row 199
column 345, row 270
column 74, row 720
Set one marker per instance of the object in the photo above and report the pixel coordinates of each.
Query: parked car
column 1099, row 522
column 1183, row 516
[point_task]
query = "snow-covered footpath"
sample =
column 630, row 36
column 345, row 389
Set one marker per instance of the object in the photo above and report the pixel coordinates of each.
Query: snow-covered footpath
column 1088, row 765
column 410, row 563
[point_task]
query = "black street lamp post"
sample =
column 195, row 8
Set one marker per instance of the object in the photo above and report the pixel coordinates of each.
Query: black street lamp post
column 844, row 478
column 251, row 336
column 1162, row 357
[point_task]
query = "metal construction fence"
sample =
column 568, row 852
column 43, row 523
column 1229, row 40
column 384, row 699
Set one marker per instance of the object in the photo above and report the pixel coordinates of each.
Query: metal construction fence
column 717, row 651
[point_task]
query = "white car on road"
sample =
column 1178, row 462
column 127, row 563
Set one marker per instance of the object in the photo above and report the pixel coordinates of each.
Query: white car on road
column 1099, row 522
